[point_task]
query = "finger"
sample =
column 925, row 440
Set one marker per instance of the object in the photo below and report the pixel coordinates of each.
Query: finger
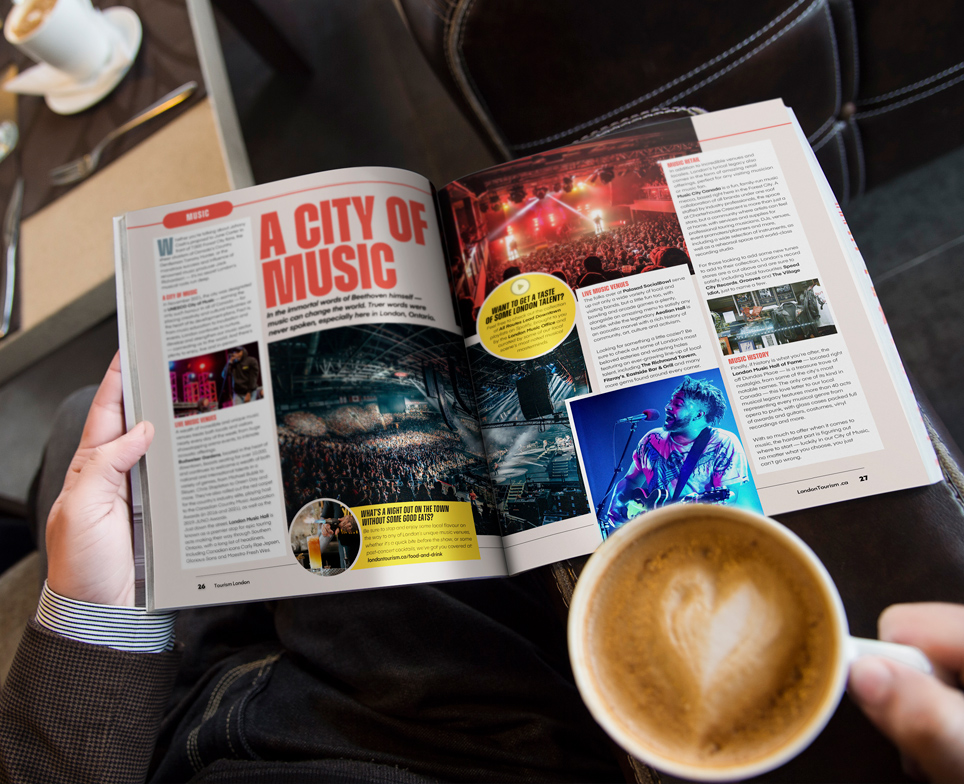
column 934, row 627
column 104, row 473
column 922, row 716
column 105, row 421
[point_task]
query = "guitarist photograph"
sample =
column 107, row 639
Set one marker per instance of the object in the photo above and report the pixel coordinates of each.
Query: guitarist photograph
column 688, row 459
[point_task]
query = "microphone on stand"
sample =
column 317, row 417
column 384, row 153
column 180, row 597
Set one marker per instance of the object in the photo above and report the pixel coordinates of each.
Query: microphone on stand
column 648, row 415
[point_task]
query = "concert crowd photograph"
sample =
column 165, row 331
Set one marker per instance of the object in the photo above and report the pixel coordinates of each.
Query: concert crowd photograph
column 588, row 214
column 378, row 414
column 669, row 441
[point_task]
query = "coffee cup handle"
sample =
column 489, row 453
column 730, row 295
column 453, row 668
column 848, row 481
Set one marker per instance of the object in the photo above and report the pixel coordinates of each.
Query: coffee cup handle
column 904, row 654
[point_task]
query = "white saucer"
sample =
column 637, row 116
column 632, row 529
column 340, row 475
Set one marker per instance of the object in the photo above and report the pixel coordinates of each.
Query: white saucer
column 125, row 27
column 62, row 93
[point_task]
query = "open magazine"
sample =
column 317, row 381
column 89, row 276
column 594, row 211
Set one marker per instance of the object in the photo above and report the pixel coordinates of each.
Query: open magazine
column 357, row 381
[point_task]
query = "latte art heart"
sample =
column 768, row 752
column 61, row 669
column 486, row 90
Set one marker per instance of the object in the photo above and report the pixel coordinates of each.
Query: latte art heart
column 718, row 636
column 712, row 642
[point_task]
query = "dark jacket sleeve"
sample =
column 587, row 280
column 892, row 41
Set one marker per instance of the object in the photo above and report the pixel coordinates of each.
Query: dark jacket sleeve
column 73, row 712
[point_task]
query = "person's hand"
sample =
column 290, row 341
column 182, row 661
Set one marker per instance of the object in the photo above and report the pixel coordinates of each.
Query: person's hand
column 89, row 541
column 921, row 714
column 326, row 530
column 247, row 398
column 618, row 512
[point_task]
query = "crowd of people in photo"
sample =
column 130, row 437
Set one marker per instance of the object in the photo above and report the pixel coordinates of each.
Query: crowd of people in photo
column 365, row 458
column 618, row 251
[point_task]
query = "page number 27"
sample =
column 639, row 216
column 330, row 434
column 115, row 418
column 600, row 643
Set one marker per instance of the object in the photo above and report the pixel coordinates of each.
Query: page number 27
column 863, row 478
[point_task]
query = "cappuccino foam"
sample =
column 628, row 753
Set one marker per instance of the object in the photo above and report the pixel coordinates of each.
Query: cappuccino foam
column 713, row 643
column 30, row 15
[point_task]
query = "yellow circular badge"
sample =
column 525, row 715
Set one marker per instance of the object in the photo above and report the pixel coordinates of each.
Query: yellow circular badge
column 527, row 316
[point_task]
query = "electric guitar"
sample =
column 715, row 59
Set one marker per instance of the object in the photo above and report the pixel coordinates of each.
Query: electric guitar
column 641, row 501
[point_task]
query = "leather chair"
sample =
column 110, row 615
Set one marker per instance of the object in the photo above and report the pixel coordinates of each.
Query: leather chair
column 878, row 85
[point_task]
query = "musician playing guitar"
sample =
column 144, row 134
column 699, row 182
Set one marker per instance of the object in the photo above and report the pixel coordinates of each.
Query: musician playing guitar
column 710, row 460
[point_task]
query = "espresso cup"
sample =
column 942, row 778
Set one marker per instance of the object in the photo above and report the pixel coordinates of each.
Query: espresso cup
column 69, row 35
column 711, row 643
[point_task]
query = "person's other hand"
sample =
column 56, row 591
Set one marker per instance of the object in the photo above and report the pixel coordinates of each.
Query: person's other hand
column 326, row 530
column 89, row 541
column 921, row 714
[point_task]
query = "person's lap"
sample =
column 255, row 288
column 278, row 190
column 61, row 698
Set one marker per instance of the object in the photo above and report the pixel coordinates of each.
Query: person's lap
column 459, row 681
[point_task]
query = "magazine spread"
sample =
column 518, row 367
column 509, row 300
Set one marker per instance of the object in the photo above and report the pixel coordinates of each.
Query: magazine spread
column 347, row 394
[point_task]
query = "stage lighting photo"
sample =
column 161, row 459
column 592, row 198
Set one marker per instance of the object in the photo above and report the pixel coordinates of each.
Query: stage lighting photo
column 517, row 194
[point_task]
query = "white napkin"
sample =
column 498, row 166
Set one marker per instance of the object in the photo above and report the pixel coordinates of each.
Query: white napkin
column 43, row 79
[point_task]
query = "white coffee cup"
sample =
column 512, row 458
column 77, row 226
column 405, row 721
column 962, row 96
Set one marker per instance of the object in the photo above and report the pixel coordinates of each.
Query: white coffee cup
column 72, row 37
column 626, row 730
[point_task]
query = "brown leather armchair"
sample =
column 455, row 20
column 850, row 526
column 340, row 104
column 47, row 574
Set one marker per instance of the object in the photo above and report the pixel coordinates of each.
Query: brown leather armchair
column 878, row 85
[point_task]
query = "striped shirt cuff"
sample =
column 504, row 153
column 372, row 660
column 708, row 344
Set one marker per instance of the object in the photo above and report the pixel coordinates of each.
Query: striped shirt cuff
column 128, row 629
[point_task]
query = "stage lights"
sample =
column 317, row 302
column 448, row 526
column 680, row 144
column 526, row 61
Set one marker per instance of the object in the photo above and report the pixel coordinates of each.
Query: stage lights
column 517, row 194
column 567, row 184
column 494, row 201
column 607, row 175
column 541, row 191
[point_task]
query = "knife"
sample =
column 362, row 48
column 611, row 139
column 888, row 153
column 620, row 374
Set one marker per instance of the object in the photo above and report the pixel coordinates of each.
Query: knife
column 11, row 239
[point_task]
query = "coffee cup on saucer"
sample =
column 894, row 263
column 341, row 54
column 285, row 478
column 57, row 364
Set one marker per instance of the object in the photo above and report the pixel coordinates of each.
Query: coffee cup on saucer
column 711, row 642
column 69, row 35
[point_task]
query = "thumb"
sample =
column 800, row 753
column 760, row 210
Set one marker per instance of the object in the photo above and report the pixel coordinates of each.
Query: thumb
column 922, row 716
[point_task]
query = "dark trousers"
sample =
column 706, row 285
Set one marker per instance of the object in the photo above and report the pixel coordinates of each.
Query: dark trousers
column 462, row 681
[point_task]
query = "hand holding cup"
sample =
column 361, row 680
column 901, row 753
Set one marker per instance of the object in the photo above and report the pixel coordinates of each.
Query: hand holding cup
column 711, row 642
column 921, row 714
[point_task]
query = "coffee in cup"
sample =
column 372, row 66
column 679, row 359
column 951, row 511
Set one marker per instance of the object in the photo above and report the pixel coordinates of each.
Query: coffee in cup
column 69, row 35
column 31, row 16
column 710, row 641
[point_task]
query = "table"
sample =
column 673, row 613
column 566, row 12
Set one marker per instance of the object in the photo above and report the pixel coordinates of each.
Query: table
column 67, row 257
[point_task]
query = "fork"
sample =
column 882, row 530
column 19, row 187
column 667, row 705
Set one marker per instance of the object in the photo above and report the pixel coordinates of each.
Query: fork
column 85, row 165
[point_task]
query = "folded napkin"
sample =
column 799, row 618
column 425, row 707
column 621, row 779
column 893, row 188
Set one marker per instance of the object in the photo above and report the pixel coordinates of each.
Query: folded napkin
column 44, row 79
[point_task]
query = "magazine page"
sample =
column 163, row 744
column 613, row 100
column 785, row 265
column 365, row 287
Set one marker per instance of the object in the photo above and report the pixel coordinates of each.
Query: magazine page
column 877, row 319
column 295, row 347
column 624, row 295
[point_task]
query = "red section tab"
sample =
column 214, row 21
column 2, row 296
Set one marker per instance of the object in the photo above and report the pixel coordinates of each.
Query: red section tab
column 174, row 220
